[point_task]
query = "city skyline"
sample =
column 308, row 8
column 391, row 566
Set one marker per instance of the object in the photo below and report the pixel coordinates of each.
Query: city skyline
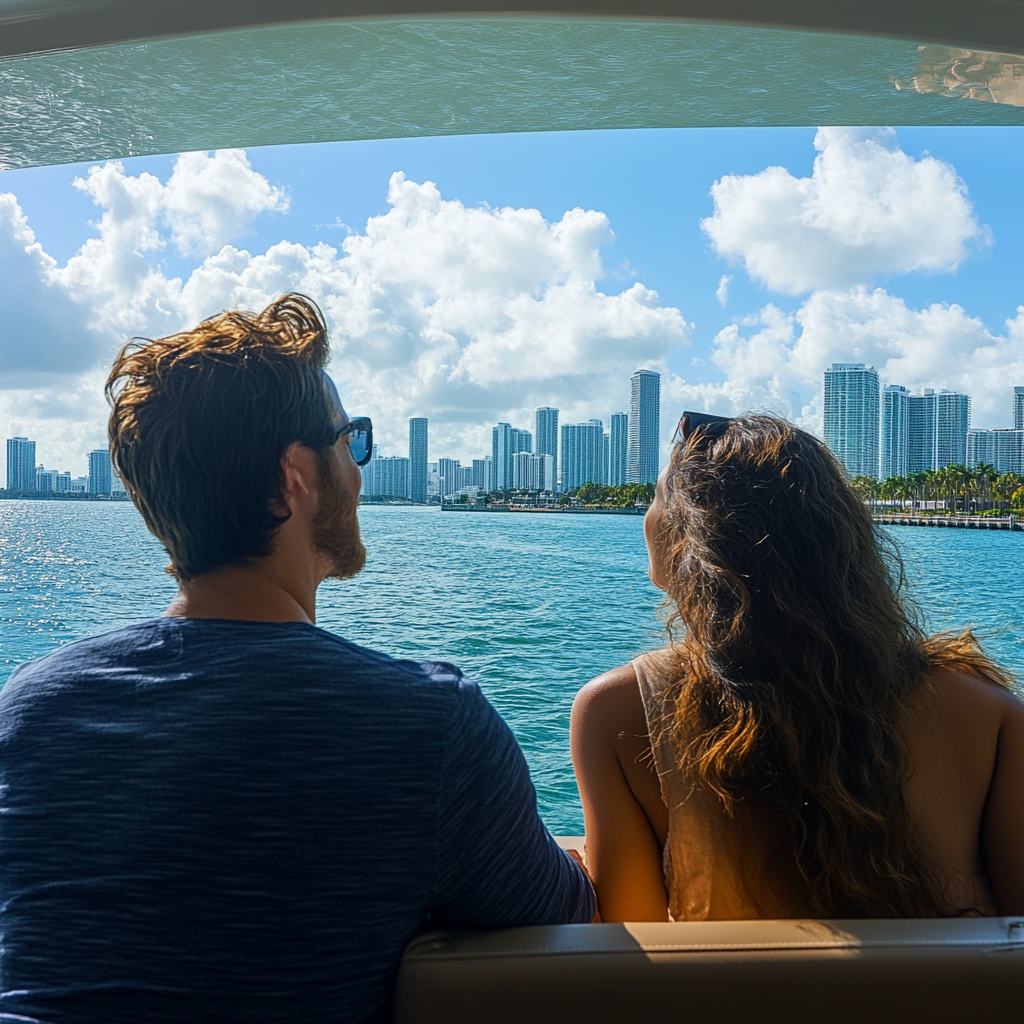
column 885, row 430
column 475, row 280
column 553, row 458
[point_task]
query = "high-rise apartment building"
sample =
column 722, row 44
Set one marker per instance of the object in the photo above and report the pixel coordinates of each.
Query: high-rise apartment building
column 388, row 476
column 21, row 464
column 1018, row 408
column 547, row 431
column 938, row 430
column 101, row 473
column 544, row 473
column 921, row 441
column 642, row 454
column 1003, row 449
column 449, row 477
column 507, row 441
column 366, row 471
column 618, row 445
column 483, row 474
column 418, row 458
column 851, row 417
column 583, row 454
column 54, row 480
column 895, row 431
column 523, row 471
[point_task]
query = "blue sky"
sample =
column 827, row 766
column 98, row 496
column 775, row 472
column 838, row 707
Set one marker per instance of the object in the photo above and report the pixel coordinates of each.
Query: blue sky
column 931, row 216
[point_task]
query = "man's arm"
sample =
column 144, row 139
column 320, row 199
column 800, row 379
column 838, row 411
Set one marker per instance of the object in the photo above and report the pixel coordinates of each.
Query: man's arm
column 498, row 865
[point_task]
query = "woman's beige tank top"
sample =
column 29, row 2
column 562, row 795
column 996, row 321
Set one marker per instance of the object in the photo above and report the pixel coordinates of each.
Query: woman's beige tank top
column 714, row 863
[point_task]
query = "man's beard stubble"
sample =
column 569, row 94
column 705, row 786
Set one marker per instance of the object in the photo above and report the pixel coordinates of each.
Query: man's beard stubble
column 336, row 525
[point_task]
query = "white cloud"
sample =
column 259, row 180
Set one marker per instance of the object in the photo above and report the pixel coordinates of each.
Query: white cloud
column 42, row 334
column 775, row 360
column 207, row 201
column 867, row 210
column 722, row 291
column 464, row 315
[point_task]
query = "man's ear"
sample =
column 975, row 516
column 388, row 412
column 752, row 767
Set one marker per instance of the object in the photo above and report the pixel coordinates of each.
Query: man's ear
column 298, row 477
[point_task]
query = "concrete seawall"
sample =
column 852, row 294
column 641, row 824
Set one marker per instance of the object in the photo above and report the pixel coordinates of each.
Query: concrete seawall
column 954, row 522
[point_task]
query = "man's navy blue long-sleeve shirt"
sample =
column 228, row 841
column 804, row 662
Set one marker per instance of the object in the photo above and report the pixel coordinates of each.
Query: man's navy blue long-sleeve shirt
column 204, row 820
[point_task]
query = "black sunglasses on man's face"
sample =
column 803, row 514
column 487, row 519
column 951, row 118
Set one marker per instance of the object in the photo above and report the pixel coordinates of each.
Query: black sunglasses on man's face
column 360, row 429
column 361, row 444
column 712, row 426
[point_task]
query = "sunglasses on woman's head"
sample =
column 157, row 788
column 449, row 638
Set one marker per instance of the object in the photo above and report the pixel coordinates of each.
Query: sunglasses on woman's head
column 711, row 426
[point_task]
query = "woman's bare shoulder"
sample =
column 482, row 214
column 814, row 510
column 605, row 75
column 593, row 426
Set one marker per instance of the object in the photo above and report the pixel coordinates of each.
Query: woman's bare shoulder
column 612, row 697
column 954, row 692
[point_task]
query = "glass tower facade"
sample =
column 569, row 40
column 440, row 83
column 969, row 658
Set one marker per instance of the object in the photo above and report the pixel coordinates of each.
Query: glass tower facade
column 418, row 458
column 851, row 417
column 618, row 445
column 583, row 450
column 1018, row 408
column 895, row 431
column 101, row 473
column 547, row 431
column 939, row 423
column 644, row 430
column 1002, row 449
column 21, row 464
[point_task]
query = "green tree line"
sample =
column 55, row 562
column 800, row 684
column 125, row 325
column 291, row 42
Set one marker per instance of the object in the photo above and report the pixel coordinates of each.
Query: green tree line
column 619, row 496
column 957, row 486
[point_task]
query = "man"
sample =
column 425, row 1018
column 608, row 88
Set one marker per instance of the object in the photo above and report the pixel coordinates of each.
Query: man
column 228, row 814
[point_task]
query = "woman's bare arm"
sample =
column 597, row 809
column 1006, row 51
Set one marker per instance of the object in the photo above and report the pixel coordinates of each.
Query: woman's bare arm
column 621, row 797
column 1002, row 833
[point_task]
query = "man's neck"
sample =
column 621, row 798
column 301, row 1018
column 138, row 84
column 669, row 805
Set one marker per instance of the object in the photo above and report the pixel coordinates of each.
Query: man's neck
column 257, row 594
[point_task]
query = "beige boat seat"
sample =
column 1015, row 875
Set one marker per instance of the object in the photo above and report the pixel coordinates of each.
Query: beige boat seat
column 720, row 972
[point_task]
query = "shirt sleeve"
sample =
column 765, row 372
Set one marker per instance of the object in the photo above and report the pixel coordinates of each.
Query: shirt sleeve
column 498, row 865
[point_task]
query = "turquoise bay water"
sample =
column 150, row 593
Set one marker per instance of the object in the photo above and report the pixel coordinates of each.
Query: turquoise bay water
column 530, row 606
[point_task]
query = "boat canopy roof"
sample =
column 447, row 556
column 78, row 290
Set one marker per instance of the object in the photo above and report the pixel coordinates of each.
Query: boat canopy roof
column 93, row 79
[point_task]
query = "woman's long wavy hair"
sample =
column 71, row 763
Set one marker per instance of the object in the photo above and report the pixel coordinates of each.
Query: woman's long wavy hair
column 799, row 663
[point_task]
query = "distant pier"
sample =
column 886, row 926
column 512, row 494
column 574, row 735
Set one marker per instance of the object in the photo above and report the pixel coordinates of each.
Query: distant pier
column 954, row 522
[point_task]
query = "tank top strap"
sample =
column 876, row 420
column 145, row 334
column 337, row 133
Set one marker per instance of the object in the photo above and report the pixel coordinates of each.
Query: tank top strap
column 654, row 673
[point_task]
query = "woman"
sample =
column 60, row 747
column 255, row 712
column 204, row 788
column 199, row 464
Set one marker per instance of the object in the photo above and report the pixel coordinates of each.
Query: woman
column 801, row 748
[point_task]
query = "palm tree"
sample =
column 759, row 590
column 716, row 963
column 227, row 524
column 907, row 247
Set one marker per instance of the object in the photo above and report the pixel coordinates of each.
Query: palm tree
column 984, row 476
column 1004, row 487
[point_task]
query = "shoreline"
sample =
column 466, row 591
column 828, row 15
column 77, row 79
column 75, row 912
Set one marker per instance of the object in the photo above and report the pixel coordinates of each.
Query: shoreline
column 547, row 510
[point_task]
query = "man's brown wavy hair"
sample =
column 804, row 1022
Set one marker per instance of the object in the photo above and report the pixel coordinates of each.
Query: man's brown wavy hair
column 200, row 420
column 799, row 663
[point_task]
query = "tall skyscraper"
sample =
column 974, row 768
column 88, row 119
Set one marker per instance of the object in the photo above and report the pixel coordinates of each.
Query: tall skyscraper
column 618, row 445
column 544, row 473
column 895, row 431
column 507, row 441
column 418, row 458
column 547, row 431
column 449, row 474
column 483, row 474
column 21, row 464
column 921, row 439
column 1002, row 449
column 367, row 471
column 523, row 471
column 582, row 454
column 392, row 473
column 642, row 457
column 953, row 422
column 101, row 474
column 938, row 429
column 1018, row 408
column 851, row 417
